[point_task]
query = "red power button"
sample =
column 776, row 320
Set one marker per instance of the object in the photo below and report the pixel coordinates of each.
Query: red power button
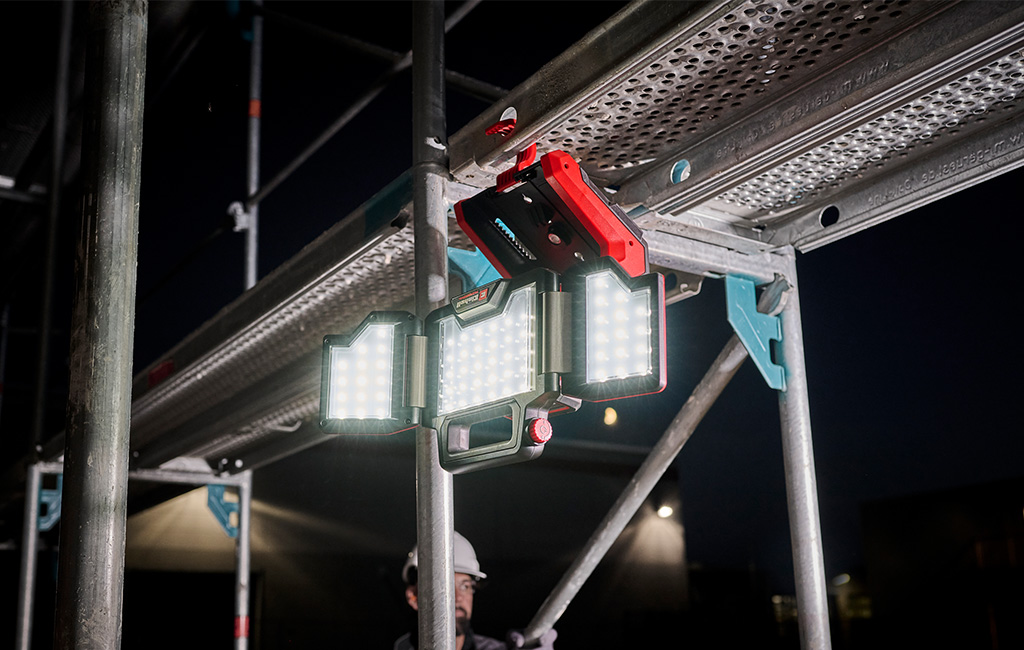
column 539, row 430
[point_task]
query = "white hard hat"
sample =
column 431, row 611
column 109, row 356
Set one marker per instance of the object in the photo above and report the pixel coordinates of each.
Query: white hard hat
column 465, row 559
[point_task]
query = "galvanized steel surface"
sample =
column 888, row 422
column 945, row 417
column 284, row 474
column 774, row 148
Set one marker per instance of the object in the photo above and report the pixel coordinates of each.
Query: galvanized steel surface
column 435, row 510
column 801, row 479
column 90, row 579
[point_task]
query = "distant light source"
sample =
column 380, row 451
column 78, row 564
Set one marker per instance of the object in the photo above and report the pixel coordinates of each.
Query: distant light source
column 841, row 579
column 665, row 512
column 610, row 416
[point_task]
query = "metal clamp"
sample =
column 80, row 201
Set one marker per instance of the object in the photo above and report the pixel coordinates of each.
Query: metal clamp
column 240, row 217
column 51, row 500
column 222, row 509
column 754, row 328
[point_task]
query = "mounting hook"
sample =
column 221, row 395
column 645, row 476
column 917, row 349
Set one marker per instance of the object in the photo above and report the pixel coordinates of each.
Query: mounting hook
column 755, row 329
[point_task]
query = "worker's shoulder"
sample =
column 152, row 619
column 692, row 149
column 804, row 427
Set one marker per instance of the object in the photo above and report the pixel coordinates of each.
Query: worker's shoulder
column 487, row 643
column 404, row 643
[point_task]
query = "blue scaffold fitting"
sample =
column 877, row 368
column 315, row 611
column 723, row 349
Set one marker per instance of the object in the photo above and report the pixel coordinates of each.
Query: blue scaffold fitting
column 755, row 330
column 222, row 509
column 472, row 267
column 50, row 500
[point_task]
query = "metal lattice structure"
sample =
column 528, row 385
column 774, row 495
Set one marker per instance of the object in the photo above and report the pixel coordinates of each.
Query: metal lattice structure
column 799, row 123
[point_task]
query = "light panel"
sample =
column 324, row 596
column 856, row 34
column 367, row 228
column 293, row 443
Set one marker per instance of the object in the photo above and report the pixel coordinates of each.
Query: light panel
column 490, row 382
column 364, row 380
column 618, row 324
column 359, row 383
column 618, row 332
column 490, row 360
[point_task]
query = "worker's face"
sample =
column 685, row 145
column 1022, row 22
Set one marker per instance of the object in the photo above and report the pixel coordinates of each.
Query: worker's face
column 464, row 588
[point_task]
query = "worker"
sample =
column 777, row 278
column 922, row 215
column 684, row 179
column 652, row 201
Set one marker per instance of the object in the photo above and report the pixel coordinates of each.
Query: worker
column 467, row 576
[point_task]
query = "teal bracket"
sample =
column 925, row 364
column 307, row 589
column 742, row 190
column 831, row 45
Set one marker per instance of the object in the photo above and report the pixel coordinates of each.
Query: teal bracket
column 755, row 330
column 221, row 509
column 472, row 267
column 50, row 500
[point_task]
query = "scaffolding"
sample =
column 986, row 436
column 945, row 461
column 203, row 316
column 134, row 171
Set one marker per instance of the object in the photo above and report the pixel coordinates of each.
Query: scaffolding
column 736, row 133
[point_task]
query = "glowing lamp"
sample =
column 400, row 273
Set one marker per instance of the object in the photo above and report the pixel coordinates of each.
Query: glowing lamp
column 618, row 330
column 493, row 372
column 364, row 385
column 498, row 360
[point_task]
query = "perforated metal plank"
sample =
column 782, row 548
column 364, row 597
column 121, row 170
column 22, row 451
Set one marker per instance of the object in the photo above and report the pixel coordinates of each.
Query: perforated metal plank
column 667, row 82
column 774, row 105
column 993, row 147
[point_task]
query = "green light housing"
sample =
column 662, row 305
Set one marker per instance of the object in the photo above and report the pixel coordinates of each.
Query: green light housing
column 492, row 373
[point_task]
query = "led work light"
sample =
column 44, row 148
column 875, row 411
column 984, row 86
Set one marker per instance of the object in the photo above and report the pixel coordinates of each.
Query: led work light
column 619, row 332
column 364, row 380
column 487, row 360
column 487, row 370
column 493, row 371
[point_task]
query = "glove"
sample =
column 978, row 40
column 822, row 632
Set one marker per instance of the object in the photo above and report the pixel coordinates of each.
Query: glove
column 545, row 642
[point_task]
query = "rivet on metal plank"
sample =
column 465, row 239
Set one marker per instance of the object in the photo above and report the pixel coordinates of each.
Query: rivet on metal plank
column 680, row 171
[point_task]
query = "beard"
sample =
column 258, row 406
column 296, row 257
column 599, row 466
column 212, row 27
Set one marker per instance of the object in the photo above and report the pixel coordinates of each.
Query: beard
column 461, row 622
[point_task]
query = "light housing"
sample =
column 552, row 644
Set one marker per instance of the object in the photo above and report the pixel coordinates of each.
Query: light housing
column 488, row 361
column 618, row 347
column 365, row 383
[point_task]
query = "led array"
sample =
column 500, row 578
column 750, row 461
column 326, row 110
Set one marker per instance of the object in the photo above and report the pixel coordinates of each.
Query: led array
column 360, row 379
column 619, row 335
column 488, row 360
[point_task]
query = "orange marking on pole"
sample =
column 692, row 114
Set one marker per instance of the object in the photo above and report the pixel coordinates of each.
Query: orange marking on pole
column 241, row 627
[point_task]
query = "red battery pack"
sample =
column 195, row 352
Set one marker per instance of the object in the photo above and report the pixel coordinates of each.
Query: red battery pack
column 551, row 216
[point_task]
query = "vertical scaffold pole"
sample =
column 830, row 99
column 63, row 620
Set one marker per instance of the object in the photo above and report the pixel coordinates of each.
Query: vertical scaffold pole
column 92, row 533
column 434, row 512
column 60, row 110
column 29, row 556
column 5, row 331
column 242, row 570
column 252, row 232
column 801, row 484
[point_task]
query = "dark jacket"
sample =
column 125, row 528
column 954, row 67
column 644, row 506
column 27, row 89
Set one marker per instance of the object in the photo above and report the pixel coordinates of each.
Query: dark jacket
column 473, row 642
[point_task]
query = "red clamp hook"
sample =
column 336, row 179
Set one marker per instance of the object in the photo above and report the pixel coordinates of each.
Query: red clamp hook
column 524, row 159
column 504, row 127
